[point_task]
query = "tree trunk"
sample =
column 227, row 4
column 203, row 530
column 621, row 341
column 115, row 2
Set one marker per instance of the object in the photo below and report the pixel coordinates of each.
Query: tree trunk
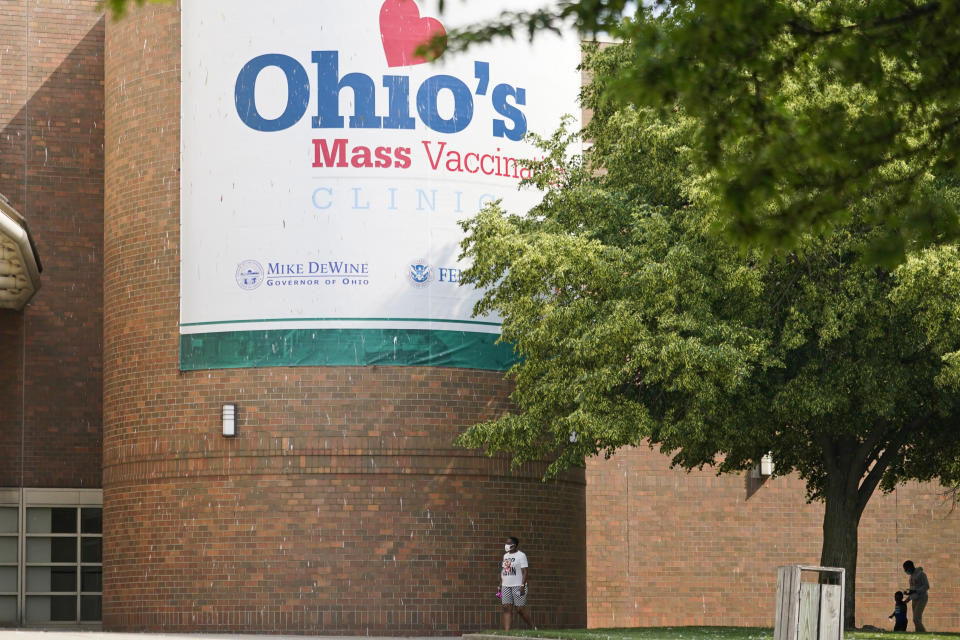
column 841, row 519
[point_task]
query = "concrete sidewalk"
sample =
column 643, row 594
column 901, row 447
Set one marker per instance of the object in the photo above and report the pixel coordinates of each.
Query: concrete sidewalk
column 30, row 634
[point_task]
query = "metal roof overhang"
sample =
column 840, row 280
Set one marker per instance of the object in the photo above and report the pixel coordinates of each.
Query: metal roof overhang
column 19, row 261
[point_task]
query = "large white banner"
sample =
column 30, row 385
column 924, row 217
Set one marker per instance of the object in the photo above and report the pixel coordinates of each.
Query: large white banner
column 324, row 169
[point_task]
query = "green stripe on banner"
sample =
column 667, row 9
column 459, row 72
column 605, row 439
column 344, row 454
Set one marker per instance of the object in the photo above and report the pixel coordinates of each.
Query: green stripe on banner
column 343, row 348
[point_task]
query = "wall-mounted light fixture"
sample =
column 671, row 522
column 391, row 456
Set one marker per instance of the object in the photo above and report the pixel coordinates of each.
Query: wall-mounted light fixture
column 767, row 466
column 764, row 468
column 229, row 416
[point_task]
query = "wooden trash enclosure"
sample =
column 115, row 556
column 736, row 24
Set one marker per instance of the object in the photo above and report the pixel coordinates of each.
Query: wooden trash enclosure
column 809, row 610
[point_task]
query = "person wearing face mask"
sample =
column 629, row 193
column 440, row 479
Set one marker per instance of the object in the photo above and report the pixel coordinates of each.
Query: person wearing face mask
column 513, row 583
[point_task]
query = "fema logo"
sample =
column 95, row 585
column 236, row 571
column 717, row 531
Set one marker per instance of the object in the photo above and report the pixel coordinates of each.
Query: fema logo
column 420, row 273
column 249, row 275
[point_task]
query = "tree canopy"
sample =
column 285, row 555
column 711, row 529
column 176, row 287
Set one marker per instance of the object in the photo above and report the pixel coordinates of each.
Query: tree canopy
column 636, row 323
column 813, row 113
column 118, row 8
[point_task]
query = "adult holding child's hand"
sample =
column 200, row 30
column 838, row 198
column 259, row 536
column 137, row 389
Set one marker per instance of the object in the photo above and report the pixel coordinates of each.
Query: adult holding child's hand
column 917, row 593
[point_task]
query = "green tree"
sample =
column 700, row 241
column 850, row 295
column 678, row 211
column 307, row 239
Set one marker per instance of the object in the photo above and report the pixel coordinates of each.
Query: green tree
column 812, row 111
column 118, row 8
column 635, row 323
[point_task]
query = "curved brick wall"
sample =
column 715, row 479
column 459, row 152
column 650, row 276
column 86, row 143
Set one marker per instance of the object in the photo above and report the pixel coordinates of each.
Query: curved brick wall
column 341, row 506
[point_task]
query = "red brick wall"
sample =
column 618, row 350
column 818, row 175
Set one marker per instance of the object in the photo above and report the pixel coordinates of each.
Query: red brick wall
column 51, row 170
column 670, row 548
column 341, row 506
column 330, row 542
column 11, row 396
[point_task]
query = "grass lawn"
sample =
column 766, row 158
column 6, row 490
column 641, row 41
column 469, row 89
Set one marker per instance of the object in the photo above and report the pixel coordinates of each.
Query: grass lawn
column 707, row 633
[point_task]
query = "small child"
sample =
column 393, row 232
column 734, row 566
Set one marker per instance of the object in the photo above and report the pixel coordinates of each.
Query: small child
column 899, row 612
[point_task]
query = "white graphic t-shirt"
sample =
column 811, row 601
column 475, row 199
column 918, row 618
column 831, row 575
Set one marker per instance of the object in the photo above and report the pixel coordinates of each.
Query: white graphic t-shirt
column 510, row 569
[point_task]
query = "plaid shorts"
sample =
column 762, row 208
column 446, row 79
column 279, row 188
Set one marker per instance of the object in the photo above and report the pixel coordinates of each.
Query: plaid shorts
column 511, row 595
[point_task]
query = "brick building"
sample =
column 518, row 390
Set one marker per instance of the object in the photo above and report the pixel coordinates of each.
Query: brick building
column 341, row 505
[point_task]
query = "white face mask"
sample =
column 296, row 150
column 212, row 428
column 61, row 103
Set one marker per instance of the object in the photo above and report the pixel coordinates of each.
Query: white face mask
column 507, row 547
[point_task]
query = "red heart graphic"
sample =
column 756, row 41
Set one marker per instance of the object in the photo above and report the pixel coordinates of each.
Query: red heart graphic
column 403, row 30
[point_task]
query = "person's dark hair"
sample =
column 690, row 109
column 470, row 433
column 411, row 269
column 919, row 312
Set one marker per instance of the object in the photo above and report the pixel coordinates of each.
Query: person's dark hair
column 515, row 540
column 898, row 595
column 908, row 566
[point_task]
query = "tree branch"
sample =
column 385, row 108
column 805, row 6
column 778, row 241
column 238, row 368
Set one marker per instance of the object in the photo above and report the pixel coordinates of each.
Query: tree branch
column 869, row 484
column 797, row 27
column 890, row 453
column 786, row 289
column 866, row 452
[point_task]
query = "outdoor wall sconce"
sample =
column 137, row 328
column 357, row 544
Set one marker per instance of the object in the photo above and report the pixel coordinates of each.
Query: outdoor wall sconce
column 764, row 468
column 766, row 465
column 229, row 416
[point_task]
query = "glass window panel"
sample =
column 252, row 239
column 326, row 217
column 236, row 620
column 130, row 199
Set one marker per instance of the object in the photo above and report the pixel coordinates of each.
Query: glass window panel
column 38, row 609
column 90, row 608
column 51, row 549
column 63, row 579
column 38, row 579
column 91, row 520
column 8, row 520
column 91, row 550
column 8, row 579
column 63, row 608
column 8, row 609
column 38, row 549
column 63, row 550
column 63, row 520
column 8, row 550
column 38, row 520
column 91, row 579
